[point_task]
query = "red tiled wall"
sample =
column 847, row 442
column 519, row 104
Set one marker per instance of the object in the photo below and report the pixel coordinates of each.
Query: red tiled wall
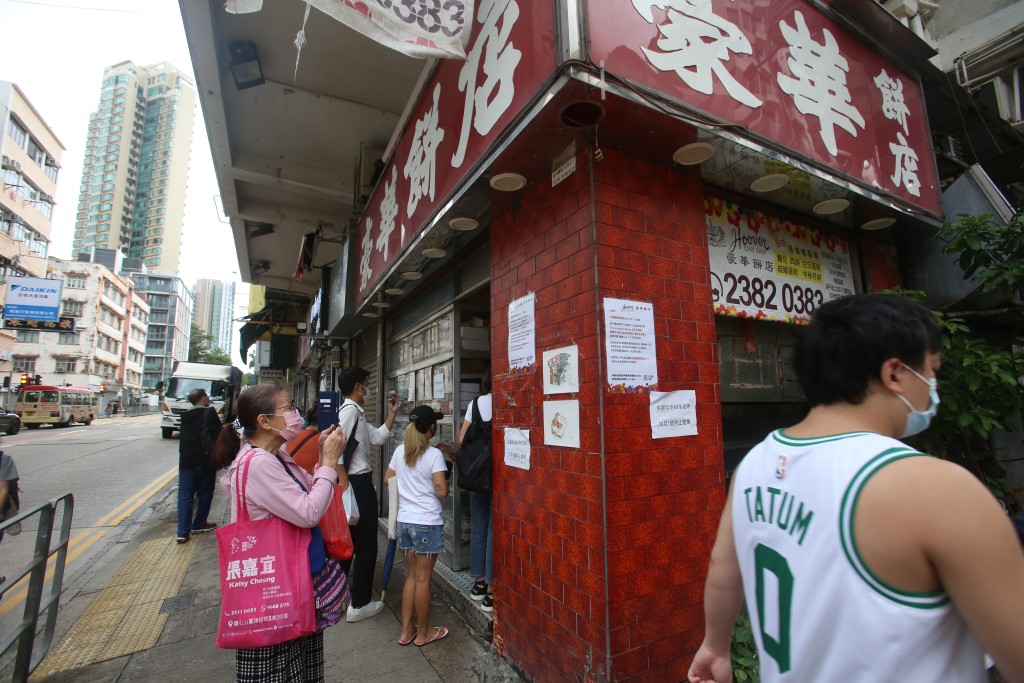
column 640, row 236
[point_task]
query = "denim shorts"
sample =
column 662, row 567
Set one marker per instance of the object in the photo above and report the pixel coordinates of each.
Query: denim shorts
column 422, row 539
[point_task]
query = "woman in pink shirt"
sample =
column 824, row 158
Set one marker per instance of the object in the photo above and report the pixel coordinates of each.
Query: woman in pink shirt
column 269, row 420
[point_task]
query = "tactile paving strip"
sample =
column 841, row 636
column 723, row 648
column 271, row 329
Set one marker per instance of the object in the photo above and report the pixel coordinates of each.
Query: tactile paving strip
column 125, row 617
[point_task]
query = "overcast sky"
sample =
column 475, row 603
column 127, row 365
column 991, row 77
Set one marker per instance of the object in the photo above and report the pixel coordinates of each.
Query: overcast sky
column 55, row 51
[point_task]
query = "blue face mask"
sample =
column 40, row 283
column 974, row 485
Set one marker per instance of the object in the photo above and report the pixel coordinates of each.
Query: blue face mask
column 918, row 420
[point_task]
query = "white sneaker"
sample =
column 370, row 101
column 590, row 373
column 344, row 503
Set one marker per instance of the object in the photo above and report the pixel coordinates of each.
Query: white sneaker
column 365, row 612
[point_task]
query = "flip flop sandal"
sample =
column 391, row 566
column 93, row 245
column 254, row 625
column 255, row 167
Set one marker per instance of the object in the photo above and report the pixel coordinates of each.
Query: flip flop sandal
column 407, row 642
column 440, row 633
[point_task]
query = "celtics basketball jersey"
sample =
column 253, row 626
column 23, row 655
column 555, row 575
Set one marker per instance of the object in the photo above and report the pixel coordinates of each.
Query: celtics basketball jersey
column 817, row 611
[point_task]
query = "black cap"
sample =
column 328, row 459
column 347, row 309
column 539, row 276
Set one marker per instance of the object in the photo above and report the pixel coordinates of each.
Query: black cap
column 424, row 416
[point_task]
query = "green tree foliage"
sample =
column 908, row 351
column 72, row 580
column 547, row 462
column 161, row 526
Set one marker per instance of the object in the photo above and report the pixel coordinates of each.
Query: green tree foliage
column 198, row 344
column 218, row 356
column 980, row 381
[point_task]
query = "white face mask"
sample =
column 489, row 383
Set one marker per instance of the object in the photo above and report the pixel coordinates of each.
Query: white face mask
column 918, row 420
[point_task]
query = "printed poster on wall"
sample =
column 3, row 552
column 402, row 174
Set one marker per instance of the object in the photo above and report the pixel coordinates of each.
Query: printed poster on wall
column 562, row 423
column 562, row 370
column 629, row 346
column 517, row 448
column 673, row 413
column 522, row 329
column 767, row 268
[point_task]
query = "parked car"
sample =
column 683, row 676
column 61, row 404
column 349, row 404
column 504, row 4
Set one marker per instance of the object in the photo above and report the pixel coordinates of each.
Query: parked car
column 10, row 423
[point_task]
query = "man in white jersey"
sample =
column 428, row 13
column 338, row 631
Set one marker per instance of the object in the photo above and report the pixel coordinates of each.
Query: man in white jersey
column 859, row 558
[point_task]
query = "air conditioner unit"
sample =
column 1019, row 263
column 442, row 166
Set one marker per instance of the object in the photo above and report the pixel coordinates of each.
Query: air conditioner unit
column 7, row 162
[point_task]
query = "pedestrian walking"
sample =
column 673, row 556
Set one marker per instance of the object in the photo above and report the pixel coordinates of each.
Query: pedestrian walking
column 861, row 559
column 10, row 501
column 422, row 485
column 200, row 427
column 352, row 421
column 277, row 487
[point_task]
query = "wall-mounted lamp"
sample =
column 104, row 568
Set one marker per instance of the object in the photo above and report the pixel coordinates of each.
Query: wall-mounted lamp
column 245, row 64
column 261, row 229
column 260, row 267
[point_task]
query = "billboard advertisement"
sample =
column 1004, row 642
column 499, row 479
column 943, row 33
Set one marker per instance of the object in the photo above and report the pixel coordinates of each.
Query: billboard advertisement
column 33, row 298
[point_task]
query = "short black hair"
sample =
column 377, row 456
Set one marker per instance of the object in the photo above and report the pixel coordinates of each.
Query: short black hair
column 349, row 378
column 196, row 395
column 843, row 348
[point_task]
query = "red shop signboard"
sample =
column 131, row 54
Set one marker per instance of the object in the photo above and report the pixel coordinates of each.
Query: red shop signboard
column 784, row 70
column 461, row 112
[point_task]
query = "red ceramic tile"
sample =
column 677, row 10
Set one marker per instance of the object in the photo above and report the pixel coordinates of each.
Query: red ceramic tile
column 629, row 663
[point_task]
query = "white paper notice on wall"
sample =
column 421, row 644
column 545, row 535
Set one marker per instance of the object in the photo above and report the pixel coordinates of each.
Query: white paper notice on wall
column 517, row 448
column 522, row 329
column 562, row 423
column 439, row 385
column 630, row 345
column 673, row 413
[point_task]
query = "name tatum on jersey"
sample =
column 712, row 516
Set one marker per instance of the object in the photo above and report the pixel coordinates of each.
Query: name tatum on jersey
column 780, row 512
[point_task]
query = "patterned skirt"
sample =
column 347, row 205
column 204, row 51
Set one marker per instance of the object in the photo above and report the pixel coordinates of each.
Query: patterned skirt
column 296, row 661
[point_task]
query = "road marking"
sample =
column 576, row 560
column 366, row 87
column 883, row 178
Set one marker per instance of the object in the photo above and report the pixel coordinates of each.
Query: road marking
column 134, row 502
column 12, row 600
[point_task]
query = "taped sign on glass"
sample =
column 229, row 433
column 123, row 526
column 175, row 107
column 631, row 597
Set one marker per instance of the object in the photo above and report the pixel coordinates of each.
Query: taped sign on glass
column 418, row 28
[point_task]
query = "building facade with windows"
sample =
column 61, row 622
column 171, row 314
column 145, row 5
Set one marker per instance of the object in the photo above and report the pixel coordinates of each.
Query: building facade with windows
column 28, row 182
column 106, row 347
column 132, row 195
column 170, row 319
column 215, row 305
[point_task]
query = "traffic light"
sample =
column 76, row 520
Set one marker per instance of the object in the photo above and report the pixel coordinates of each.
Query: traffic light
column 7, row 382
column 38, row 379
column 103, row 387
column 24, row 379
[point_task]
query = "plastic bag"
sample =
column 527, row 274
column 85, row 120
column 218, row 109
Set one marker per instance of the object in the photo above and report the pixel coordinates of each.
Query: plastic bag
column 334, row 526
column 351, row 507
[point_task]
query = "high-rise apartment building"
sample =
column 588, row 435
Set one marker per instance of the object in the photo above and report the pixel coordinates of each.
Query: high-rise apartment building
column 132, row 195
column 215, row 305
column 170, row 320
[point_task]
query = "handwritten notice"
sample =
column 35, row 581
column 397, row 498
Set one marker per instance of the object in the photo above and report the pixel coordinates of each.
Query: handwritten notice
column 673, row 413
column 522, row 328
column 629, row 345
column 562, row 370
column 517, row 448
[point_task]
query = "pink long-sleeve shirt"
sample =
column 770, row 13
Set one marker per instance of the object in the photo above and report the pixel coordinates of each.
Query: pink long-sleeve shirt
column 270, row 491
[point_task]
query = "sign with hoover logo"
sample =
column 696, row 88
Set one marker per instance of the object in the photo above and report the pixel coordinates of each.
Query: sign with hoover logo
column 33, row 298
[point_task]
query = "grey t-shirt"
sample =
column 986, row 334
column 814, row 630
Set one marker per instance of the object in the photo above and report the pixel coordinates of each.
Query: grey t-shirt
column 8, row 472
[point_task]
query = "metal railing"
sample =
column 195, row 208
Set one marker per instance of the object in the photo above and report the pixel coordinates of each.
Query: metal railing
column 29, row 654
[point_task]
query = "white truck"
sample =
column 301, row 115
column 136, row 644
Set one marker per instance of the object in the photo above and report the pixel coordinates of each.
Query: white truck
column 223, row 383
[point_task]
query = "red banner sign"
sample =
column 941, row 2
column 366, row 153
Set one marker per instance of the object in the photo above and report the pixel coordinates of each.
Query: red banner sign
column 462, row 111
column 785, row 71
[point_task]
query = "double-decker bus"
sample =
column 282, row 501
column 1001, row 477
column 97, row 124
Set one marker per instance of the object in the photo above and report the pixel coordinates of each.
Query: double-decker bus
column 41, row 405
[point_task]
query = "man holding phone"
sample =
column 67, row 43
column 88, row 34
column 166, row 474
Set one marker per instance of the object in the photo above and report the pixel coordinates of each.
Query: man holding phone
column 352, row 420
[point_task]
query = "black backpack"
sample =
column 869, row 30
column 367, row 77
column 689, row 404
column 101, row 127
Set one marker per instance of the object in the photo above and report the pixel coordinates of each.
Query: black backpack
column 474, row 457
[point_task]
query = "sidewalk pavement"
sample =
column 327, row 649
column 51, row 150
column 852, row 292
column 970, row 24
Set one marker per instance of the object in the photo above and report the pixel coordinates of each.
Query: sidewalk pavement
column 148, row 610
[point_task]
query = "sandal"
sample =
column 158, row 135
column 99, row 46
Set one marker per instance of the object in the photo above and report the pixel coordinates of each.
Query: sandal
column 439, row 633
column 407, row 642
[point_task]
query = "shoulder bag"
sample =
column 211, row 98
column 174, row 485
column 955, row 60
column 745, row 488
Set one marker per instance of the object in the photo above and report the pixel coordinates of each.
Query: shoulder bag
column 265, row 584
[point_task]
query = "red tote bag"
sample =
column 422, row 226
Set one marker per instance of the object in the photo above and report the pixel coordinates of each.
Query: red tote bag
column 265, row 586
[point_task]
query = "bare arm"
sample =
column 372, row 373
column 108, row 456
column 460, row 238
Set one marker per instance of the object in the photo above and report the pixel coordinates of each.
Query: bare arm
column 977, row 555
column 440, row 485
column 462, row 433
column 387, row 476
column 723, row 598
column 5, row 488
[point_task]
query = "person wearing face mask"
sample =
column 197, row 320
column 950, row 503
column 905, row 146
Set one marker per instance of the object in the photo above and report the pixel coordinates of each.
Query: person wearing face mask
column 859, row 558
column 352, row 383
column 277, row 486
